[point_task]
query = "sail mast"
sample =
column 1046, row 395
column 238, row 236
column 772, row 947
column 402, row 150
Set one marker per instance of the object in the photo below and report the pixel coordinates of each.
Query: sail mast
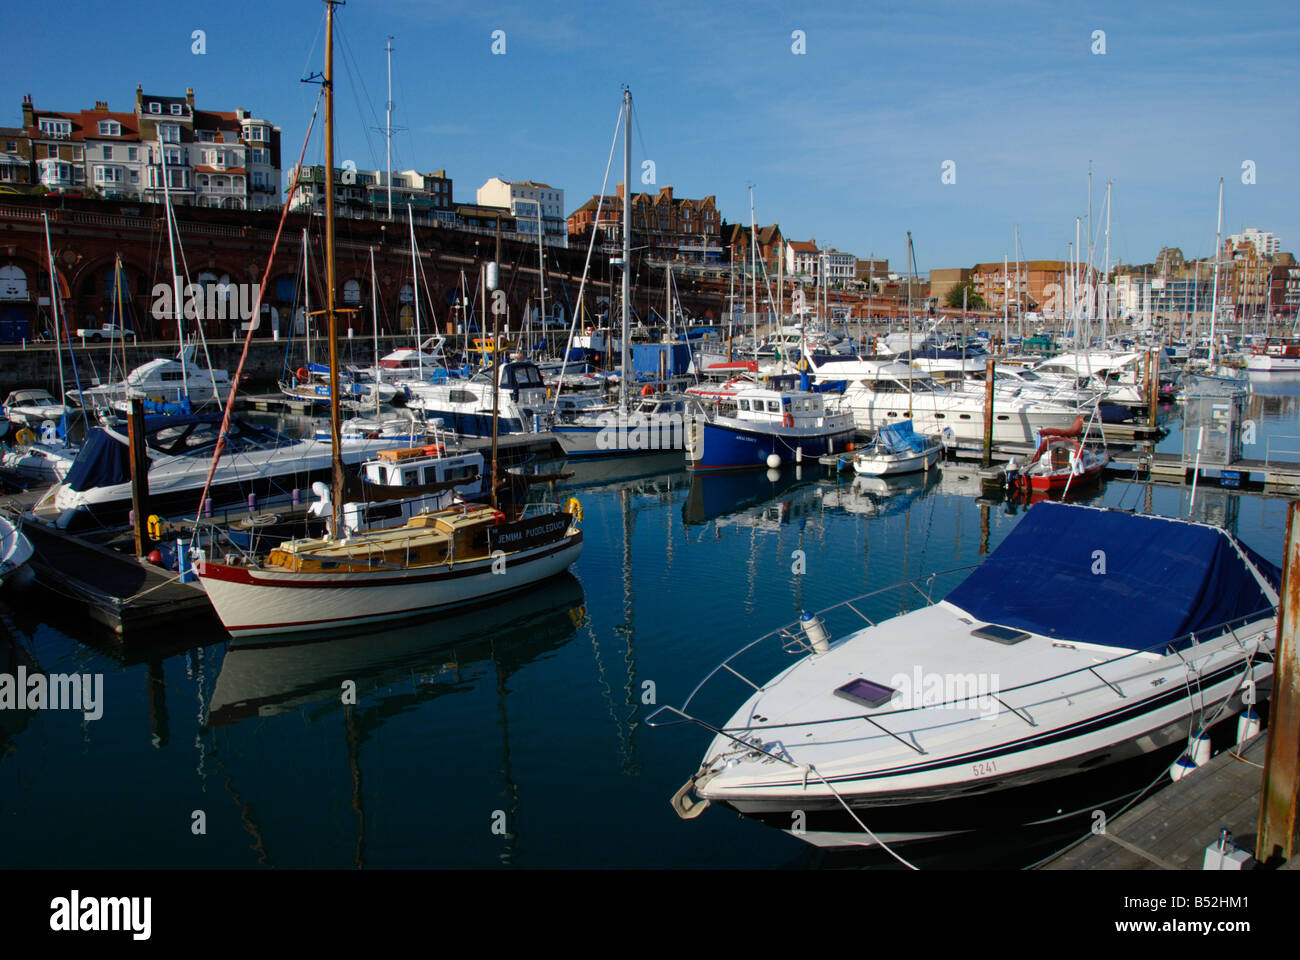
column 1214, row 300
column 626, row 383
column 388, row 129
column 54, row 308
column 336, row 486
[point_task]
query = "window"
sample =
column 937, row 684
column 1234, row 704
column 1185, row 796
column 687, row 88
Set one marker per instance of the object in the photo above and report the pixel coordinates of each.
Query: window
column 169, row 132
column 352, row 292
column 108, row 174
column 108, row 153
column 56, row 128
column 178, row 179
column 174, row 156
column 11, row 146
column 78, row 153
column 110, row 128
column 176, row 109
column 155, row 106
column 135, row 176
column 133, row 153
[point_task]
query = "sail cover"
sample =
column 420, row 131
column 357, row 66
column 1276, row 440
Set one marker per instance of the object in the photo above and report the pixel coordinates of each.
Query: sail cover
column 1117, row 579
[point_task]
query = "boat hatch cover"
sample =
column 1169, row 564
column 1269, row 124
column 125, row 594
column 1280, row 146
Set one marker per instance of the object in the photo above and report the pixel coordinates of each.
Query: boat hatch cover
column 866, row 692
column 998, row 634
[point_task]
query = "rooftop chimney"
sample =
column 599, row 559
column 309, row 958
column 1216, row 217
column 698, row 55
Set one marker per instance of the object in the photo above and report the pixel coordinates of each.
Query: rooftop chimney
column 101, row 106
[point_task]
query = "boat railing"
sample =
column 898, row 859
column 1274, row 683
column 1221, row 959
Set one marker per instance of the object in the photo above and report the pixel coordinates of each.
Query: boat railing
column 794, row 639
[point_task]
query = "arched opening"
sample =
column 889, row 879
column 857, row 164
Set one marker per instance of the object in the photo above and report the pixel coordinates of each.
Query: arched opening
column 13, row 283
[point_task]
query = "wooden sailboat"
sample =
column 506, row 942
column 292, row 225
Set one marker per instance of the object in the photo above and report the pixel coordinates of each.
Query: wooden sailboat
column 466, row 554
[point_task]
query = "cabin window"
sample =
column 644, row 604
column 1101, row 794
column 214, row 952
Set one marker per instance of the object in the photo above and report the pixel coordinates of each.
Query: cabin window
column 430, row 475
column 965, row 416
column 774, row 406
column 743, row 404
column 461, row 396
column 1003, row 417
column 410, row 477
column 939, row 416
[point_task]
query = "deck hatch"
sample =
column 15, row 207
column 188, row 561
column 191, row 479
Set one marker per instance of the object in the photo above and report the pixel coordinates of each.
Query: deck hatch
column 1004, row 635
column 866, row 692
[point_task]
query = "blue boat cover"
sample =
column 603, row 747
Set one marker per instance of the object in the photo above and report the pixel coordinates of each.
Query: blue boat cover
column 899, row 437
column 101, row 462
column 1154, row 580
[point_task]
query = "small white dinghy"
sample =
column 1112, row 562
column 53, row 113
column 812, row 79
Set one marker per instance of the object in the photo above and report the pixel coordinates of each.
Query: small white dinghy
column 897, row 449
column 15, row 550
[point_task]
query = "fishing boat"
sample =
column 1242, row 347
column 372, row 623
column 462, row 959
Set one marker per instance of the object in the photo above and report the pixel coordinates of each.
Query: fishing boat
column 1060, row 460
column 1089, row 638
column 433, row 561
column 15, row 551
column 897, row 449
column 766, row 428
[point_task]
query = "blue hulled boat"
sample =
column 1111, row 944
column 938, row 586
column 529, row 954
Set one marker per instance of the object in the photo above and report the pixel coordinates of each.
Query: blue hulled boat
column 789, row 425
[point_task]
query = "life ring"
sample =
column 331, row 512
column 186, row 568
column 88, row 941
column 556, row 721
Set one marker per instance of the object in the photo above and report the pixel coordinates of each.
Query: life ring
column 787, row 420
column 24, row 437
column 573, row 507
column 301, row 374
column 154, row 527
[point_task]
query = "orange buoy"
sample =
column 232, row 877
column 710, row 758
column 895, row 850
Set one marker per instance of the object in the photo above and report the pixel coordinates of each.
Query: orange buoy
column 647, row 391
column 850, row 448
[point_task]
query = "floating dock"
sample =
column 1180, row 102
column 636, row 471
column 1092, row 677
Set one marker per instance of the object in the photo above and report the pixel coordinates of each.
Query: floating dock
column 122, row 592
column 1171, row 829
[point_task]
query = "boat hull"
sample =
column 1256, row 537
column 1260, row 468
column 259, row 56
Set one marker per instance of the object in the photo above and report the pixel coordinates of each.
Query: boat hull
column 893, row 464
column 256, row 601
column 1015, row 784
column 713, row 445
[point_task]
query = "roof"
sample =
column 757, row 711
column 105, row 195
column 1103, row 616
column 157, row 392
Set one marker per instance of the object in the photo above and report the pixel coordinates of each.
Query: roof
column 803, row 246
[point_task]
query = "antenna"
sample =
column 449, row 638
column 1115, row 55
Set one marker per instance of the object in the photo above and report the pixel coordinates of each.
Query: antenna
column 388, row 129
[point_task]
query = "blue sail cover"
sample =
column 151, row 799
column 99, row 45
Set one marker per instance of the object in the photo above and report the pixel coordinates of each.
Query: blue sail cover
column 1162, row 580
column 900, row 437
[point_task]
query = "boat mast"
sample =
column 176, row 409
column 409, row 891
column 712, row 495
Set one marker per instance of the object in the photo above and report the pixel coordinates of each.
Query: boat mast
column 54, row 306
column 415, row 280
column 626, row 382
column 1106, row 276
column 911, row 347
column 374, row 322
column 1020, row 309
column 753, row 259
column 176, row 277
column 337, row 451
column 1214, row 300
column 388, row 130
column 541, row 282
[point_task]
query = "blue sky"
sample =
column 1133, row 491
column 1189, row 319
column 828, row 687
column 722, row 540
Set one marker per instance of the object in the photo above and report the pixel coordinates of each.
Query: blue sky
column 845, row 142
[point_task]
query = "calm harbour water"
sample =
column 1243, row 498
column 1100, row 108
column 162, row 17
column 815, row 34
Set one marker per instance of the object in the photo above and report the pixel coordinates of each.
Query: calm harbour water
column 529, row 712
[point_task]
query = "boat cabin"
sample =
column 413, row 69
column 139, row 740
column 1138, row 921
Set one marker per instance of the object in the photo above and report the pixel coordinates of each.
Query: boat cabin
column 786, row 407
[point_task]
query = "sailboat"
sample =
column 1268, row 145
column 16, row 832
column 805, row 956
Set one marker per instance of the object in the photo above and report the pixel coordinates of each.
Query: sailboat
column 657, row 421
column 432, row 561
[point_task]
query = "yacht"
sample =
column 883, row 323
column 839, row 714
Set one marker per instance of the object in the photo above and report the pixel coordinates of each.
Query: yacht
column 33, row 408
column 1088, row 641
column 897, row 392
column 169, row 380
column 465, row 406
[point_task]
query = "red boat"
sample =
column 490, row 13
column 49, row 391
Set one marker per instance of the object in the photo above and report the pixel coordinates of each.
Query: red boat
column 1061, row 460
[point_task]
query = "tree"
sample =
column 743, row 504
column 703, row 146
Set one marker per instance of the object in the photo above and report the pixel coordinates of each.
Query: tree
column 973, row 300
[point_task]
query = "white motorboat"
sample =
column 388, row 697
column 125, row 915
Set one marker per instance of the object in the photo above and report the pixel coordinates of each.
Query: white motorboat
column 34, row 408
column 1088, row 639
column 15, row 551
column 896, row 391
column 257, row 461
column 168, row 380
column 466, row 406
column 897, row 449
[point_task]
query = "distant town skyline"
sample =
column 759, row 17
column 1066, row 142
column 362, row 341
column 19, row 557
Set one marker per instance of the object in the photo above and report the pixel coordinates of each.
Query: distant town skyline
column 846, row 121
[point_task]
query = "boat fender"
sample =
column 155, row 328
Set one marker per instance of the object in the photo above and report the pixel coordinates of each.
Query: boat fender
column 815, row 630
column 787, row 420
column 301, row 374
column 498, row 517
column 573, row 507
column 24, row 437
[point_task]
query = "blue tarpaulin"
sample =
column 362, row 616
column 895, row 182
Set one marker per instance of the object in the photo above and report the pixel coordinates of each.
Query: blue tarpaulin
column 1113, row 578
column 647, row 357
column 900, row 437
